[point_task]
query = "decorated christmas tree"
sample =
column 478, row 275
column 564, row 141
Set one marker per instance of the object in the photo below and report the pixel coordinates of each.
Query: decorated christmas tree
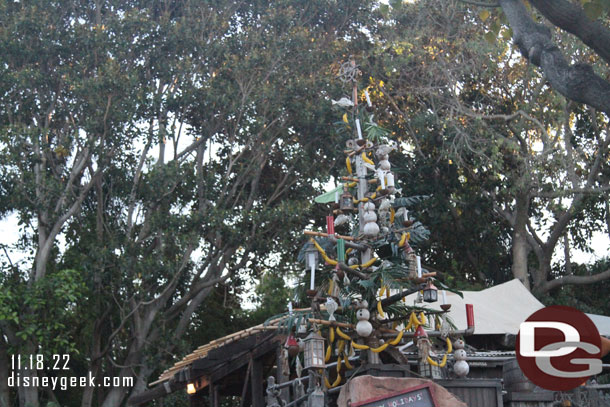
column 361, row 268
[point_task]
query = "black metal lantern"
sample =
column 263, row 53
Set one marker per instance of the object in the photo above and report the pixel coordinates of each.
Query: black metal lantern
column 314, row 351
column 346, row 201
column 430, row 292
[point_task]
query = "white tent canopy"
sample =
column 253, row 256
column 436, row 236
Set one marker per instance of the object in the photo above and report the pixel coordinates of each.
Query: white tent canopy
column 499, row 309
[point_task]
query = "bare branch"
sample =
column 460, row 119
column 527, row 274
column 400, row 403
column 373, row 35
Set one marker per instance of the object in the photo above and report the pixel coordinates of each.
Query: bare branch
column 579, row 280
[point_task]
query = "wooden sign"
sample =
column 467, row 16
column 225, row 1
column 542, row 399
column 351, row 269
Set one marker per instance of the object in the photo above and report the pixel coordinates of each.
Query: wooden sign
column 419, row 396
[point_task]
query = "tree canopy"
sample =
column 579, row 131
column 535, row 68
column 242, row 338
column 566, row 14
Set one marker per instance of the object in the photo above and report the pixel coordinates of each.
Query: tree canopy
column 161, row 156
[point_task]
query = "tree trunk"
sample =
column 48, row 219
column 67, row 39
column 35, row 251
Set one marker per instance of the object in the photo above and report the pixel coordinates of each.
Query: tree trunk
column 520, row 247
column 5, row 392
column 28, row 395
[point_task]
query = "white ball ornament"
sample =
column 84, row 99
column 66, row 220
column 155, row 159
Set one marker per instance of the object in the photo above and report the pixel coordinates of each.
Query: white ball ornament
column 461, row 368
column 369, row 216
column 459, row 344
column 369, row 206
column 363, row 314
column 459, row 354
column 385, row 165
column 364, row 328
column 371, row 229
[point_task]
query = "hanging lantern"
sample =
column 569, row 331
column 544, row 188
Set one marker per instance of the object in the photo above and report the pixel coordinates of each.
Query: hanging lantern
column 346, row 202
column 314, row 351
column 430, row 292
column 311, row 257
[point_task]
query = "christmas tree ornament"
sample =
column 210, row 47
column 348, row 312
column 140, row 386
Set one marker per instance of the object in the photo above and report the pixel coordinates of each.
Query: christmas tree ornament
column 343, row 102
column 311, row 260
column 341, row 250
column 314, row 351
column 363, row 327
column 330, row 225
column 346, row 202
column 331, row 307
column 460, row 367
column 385, row 205
column 383, row 151
column 342, row 219
column 430, row 292
column 371, row 229
column 292, row 346
column 384, row 165
column 389, row 180
column 445, row 328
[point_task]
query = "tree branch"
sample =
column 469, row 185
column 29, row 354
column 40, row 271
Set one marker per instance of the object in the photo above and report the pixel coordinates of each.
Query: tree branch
column 581, row 280
column 577, row 82
column 570, row 17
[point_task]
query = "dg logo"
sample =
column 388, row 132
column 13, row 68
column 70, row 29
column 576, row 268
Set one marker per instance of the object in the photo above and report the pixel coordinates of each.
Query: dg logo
column 559, row 348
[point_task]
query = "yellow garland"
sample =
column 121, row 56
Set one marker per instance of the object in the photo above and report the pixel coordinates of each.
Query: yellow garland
column 331, row 336
column 435, row 363
column 366, row 159
column 323, row 253
column 358, row 346
column 392, row 214
column 396, row 340
column 346, row 361
column 414, row 321
column 403, row 239
column 343, row 334
column 333, row 262
column 348, row 164
column 381, row 348
column 380, row 309
column 369, row 263
column 340, row 346
column 335, row 383
column 443, row 361
column 329, row 350
column 331, row 285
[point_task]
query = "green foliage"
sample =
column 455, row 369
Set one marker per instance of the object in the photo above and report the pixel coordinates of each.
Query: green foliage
column 53, row 304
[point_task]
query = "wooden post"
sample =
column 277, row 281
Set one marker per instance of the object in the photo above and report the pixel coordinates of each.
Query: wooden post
column 281, row 375
column 216, row 400
column 244, row 390
column 213, row 394
column 256, row 378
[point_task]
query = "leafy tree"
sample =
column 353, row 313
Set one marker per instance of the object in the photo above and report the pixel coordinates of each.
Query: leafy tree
column 489, row 124
column 171, row 144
